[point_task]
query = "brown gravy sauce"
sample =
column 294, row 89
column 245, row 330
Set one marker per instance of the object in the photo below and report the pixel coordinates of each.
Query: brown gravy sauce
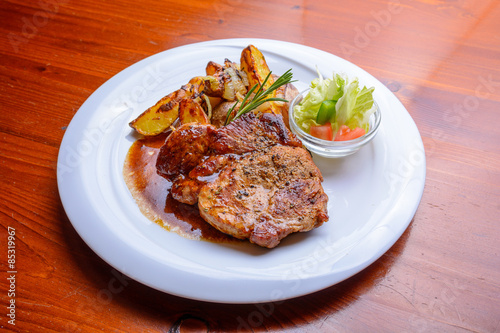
column 152, row 194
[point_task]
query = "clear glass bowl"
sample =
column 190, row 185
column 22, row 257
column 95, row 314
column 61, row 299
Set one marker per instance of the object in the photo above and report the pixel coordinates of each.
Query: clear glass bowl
column 333, row 149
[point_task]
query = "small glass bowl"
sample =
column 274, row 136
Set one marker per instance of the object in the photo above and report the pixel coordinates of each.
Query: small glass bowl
column 333, row 149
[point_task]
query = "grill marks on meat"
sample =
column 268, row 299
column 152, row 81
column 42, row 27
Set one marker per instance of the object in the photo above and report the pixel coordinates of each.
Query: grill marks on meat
column 251, row 178
column 265, row 196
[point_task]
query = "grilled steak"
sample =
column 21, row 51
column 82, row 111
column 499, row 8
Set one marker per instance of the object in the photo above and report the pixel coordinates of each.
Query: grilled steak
column 265, row 196
column 251, row 178
column 193, row 152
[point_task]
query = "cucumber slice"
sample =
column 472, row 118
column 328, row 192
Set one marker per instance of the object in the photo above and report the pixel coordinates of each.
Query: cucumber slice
column 327, row 112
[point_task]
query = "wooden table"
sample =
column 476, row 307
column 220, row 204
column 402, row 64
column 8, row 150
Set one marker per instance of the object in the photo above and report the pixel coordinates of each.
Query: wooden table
column 440, row 58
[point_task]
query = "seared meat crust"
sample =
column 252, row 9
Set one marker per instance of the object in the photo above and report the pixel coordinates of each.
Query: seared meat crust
column 249, row 133
column 183, row 150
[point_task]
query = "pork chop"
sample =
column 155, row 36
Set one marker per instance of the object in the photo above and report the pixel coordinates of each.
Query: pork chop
column 265, row 196
column 194, row 152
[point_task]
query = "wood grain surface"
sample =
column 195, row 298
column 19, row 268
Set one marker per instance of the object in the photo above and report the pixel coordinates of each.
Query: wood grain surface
column 441, row 58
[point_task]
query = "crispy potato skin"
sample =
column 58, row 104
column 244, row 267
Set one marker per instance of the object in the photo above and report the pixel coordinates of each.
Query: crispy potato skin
column 213, row 67
column 254, row 64
column 191, row 112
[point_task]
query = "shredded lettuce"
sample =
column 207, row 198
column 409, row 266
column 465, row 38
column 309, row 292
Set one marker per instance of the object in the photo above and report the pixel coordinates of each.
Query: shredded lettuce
column 353, row 108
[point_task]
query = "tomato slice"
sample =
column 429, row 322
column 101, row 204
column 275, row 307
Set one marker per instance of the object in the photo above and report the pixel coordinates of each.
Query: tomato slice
column 323, row 132
column 345, row 133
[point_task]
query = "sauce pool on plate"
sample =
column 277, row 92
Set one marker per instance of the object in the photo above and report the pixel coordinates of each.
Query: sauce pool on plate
column 152, row 194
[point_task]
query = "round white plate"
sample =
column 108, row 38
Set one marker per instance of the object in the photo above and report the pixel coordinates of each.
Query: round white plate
column 373, row 194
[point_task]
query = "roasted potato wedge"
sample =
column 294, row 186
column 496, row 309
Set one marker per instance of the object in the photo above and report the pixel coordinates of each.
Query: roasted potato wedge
column 195, row 86
column 191, row 112
column 155, row 122
column 160, row 116
column 254, row 64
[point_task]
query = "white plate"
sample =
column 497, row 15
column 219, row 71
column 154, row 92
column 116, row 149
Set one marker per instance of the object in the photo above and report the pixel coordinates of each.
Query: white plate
column 373, row 194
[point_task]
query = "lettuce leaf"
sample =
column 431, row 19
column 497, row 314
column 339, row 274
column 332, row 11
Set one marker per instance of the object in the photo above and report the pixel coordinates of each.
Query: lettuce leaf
column 363, row 109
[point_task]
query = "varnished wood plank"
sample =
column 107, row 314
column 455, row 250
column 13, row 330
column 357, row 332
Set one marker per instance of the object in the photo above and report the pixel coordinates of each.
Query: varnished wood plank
column 441, row 59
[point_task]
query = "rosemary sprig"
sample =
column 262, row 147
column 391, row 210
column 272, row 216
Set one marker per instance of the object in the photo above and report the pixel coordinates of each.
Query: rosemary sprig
column 260, row 97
